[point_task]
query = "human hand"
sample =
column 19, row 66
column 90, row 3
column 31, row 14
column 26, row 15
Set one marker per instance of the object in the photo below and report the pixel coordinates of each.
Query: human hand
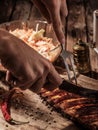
column 55, row 12
column 26, row 68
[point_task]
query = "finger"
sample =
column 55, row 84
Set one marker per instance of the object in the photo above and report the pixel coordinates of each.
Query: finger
column 56, row 20
column 63, row 8
column 42, row 9
column 50, row 86
column 63, row 11
column 36, row 87
column 24, row 83
column 54, row 77
column 58, row 29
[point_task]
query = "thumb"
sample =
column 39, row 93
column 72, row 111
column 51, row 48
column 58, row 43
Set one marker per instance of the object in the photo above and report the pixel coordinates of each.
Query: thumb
column 54, row 79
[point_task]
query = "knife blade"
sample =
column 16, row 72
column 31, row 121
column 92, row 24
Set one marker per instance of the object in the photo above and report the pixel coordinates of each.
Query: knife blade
column 81, row 91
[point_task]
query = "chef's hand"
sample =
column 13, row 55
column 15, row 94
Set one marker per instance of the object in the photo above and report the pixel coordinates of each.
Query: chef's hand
column 55, row 12
column 28, row 68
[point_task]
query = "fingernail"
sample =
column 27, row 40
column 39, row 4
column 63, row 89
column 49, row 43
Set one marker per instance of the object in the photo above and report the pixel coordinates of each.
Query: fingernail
column 63, row 41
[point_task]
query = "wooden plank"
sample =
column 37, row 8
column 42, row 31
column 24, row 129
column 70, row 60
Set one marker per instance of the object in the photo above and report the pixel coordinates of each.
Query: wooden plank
column 6, row 7
column 40, row 116
column 82, row 80
column 76, row 23
column 93, row 4
column 22, row 10
column 35, row 14
column 89, row 20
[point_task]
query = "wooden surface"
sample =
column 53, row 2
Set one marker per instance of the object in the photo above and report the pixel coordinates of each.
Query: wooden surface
column 75, row 23
column 31, row 108
column 79, row 25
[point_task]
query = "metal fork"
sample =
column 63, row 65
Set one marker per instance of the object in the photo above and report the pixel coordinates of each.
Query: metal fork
column 68, row 55
column 65, row 54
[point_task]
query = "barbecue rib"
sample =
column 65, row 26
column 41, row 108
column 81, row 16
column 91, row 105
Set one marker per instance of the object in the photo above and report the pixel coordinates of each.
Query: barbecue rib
column 82, row 110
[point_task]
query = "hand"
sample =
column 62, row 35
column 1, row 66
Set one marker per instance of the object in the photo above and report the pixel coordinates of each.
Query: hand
column 28, row 68
column 54, row 11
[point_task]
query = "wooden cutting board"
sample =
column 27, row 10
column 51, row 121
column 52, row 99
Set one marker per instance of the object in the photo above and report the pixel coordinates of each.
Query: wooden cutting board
column 31, row 107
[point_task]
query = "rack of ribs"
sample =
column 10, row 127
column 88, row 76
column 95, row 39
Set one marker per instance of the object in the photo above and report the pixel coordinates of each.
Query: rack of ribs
column 81, row 110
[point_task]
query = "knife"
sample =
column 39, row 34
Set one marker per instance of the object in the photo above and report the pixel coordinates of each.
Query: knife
column 81, row 91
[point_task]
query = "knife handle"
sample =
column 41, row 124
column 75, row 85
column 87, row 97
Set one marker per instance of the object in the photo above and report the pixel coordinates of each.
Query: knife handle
column 78, row 90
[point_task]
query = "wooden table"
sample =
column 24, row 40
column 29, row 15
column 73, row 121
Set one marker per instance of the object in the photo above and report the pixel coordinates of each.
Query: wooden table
column 31, row 108
column 79, row 25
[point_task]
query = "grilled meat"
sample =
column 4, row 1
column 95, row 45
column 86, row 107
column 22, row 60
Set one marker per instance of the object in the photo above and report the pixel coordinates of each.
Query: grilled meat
column 80, row 109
